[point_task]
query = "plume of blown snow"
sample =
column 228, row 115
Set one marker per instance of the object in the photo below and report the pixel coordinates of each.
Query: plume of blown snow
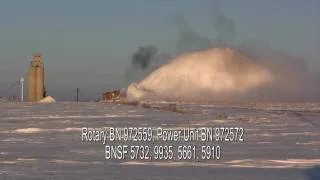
column 216, row 72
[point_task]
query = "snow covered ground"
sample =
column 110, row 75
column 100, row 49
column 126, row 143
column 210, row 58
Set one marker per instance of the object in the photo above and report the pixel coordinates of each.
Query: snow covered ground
column 43, row 141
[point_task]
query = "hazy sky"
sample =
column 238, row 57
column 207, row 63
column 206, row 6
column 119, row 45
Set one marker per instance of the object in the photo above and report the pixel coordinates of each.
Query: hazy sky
column 89, row 43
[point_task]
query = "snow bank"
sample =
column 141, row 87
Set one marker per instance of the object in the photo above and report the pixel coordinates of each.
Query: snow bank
column 47, row 99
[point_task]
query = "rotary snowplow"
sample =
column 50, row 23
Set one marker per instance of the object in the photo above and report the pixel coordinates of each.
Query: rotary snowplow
column 111, row 96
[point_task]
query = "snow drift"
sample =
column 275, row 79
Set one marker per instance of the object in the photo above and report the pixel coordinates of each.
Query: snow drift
column 47, row 99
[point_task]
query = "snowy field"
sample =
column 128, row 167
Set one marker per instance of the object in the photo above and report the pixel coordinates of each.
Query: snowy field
column 43, row 141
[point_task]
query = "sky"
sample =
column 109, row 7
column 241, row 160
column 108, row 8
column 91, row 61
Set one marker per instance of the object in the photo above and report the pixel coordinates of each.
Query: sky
column 88, row 44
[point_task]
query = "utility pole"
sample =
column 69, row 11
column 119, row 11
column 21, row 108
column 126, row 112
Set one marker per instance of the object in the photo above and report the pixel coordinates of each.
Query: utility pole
column 77, row 94
column 21, row 84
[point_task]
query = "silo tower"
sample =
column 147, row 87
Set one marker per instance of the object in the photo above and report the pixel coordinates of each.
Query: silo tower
column 36, row 79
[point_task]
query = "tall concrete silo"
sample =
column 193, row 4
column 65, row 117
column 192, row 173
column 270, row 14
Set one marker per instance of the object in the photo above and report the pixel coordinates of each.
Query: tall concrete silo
column 36, row 79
